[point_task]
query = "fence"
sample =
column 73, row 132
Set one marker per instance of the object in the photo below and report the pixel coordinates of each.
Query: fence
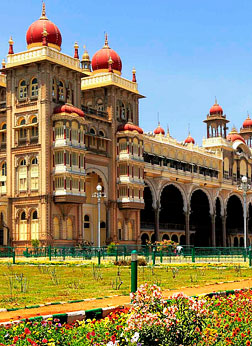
column 152, row 254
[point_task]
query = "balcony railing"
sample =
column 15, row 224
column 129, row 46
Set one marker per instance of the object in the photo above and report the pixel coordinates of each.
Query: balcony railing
column 168, row 226
column 93, row 111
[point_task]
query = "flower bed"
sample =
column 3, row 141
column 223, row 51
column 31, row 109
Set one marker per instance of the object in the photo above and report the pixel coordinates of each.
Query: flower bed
column 150, row 320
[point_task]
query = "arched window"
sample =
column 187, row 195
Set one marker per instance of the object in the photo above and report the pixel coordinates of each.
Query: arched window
column 22, row 132
column 100, row 105
column 119, row 230
column 22, row 90
column 3, row 135
column 34, row 88
column 101, row 134
column 54, row 88
column 92, row 131
column 34, row 174
column 102, row 224
column 34, row 225
column 92, row 140
column 22, row 176
column 34, row 130
column 61, row 91
column 3, row 175
column 86, row 221
column 22, row 227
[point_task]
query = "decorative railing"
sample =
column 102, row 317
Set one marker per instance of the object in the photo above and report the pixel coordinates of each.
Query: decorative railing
column 108, row 78
column 40, row 54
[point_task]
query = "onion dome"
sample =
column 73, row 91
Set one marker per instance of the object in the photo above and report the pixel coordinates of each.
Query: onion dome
column 130, row 127
column 235, row 136
column 37, row 30
column 216, row 109
column 189, row 139
column 247, row 122
column 100, row 60
column 159, row 130
column 67, row 108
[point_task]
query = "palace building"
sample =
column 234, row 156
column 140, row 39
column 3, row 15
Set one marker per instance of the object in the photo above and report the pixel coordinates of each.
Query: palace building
column 69, row 123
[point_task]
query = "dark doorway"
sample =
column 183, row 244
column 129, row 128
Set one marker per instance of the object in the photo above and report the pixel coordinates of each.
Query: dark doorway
column 218, row 223
column 172, row 215
column 147, row 215
column 200, row 218
column 234, row 217
column 144, row 238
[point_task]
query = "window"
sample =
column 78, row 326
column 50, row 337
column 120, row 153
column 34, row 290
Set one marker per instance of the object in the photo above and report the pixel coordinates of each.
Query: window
column 100, row 105
column 75, row 184
column 92, row 131
column 59, row 183
column 4, row 169
column 22, row 175
column 22, row 90
column 22, row 131
column 56, row 228
column 35, row 215
column 59, row 130
column 61, row 91
column 135, row 146
column 86, row 221
column 75, row 131
column 3, row 173
column 54, row 88
column 23, row 227
column 3, row 134
column 74, row 159
column 123, row 169
column 59, row 157
column 34, row 174
column 123, row 146
column 34, row 88
column 34, row 225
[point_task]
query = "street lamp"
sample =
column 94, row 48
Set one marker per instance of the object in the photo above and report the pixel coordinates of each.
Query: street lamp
column 99, row 194
column 244, row 187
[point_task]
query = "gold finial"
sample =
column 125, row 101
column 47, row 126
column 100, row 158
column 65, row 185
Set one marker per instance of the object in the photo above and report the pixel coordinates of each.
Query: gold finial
column 44, row 33
column 248, row 115
column 85, row 55
column 43, row 14
column 106, row 41
column 76, row 46
column 110, row 61
column 3, row 63
column 134, row 70
column 11, row 42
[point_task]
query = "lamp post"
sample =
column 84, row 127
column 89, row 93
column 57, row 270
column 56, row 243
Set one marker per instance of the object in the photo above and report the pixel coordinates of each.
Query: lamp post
column 99, row 194
column 244, row 187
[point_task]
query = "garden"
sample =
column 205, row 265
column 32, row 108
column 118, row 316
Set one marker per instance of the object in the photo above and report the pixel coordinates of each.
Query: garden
column 150, row 320
column 72, row 281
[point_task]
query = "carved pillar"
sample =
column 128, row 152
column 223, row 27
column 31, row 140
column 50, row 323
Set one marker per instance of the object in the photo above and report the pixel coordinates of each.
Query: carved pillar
column 213, row 235
column 224, row 230
column 187, row 227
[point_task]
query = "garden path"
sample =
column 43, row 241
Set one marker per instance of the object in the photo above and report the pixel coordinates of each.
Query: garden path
column 118, row 300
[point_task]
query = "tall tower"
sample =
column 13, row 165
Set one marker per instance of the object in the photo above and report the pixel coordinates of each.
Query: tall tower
column 116, row 102
column 45, row 146
column 246, row 131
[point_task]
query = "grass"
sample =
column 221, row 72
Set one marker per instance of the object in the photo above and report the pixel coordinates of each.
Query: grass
column 22, row 285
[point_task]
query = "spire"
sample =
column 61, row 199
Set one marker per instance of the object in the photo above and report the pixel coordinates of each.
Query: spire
column 43, row 14
column 76, row 52
column 168, row 131
column 11, row 43
column 216, row 103
column 106, row 41
column 134, row 75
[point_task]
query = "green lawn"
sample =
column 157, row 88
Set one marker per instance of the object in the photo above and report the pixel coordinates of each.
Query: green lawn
column 22, row 285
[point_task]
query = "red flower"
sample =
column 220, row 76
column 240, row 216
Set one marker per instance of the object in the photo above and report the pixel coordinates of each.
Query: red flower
column 93, row 333
column 248, row 343
column 44, row 341
column 27, row 331
column 15, row 339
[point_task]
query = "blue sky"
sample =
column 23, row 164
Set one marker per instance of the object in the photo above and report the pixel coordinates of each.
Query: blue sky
column 185, row 52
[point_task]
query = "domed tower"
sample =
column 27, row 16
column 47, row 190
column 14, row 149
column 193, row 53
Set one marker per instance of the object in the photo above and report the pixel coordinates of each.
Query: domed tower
column 216, row 122
column 106, row 60
column 159, row 130
column 246, row 131
column 43, row 32
column 85, row 61
column 189, row 139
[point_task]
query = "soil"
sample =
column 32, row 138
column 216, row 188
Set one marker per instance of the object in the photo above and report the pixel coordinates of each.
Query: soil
column 117, row 301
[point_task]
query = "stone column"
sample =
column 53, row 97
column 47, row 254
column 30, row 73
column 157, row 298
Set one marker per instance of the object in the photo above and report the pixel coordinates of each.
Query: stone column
column 213, row 240
column 187, row 227
column 224, row 230
column 156, row 224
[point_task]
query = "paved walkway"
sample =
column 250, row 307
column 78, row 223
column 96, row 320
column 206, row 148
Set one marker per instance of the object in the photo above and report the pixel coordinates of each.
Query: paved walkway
column 115, row 301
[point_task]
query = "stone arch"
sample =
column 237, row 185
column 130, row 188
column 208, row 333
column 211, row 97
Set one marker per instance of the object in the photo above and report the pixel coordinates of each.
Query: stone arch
column 229, row 196
column 153, row 192
column 208, row 196
column 102, row 176
column 181, row 190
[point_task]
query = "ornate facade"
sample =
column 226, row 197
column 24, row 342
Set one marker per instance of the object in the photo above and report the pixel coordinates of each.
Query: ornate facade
column 67, row 124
